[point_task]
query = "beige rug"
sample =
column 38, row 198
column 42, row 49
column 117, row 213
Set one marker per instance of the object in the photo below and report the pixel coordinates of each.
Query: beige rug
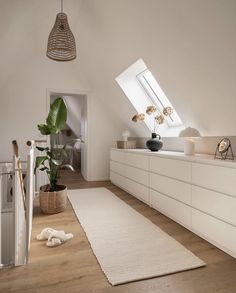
column 127, row 245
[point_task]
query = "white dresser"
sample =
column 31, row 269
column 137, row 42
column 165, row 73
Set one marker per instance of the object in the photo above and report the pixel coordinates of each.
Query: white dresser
column 197, row 191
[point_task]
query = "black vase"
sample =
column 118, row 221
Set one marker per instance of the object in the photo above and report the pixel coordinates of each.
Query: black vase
column 154, row 144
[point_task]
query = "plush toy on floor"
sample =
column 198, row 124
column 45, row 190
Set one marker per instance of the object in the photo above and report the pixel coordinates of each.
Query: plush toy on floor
column 44, row 234
column 54, row 237
column 58, row 237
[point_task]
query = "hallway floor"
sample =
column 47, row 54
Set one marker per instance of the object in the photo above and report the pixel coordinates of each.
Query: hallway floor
column 73, row 267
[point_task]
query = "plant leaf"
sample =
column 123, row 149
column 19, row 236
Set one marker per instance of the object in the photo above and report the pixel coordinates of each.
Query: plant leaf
column 57, row 116
column 42, row 149
column 63, row 153
column 49, row 154
column 67, row 166
column 56, row 162
column 44, row 129
column 40, row 160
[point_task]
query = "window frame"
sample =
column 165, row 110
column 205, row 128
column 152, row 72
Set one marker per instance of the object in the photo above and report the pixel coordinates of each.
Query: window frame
column 157, row 97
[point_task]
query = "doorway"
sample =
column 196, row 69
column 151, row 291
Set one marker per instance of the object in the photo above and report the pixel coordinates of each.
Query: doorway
column 75, row 133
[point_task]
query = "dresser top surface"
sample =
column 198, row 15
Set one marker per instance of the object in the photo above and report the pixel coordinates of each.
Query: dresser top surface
column 198, row 158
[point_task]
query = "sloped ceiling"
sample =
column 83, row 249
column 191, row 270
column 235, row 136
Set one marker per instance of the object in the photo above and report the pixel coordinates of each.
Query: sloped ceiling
column 189, row 45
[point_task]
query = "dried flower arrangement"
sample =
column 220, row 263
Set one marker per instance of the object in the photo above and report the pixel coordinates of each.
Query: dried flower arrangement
column 154, row 144
column 158, row 117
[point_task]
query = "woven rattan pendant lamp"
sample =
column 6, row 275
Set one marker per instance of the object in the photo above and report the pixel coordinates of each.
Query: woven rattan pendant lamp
column 61, row 41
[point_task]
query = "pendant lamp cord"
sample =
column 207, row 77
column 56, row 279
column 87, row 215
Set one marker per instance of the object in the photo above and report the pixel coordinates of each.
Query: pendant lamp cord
column 61, row 6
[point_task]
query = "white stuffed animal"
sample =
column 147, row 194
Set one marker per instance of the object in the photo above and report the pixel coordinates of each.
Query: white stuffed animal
column 54, row 237
column 44, row 234
column 54, row 242
column 58, row 237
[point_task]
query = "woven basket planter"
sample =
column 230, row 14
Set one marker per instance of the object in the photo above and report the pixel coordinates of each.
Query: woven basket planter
column 52, row 202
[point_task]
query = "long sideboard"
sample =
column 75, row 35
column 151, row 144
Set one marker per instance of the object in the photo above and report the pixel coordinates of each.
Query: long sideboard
column 197, row 191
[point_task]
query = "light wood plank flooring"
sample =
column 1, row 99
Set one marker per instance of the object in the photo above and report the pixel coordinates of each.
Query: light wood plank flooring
column 73, row 268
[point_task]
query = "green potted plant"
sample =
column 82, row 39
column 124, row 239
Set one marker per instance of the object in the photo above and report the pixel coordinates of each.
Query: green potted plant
column 53, row 197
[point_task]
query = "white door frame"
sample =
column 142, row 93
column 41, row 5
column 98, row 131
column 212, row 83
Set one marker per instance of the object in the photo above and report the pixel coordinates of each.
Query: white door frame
column 87, row 94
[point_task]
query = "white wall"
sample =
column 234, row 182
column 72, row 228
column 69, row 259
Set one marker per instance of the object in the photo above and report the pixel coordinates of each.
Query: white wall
column 74, row 113
column 26, row 74
column 23, row 102
column 84, row 135
column 103, row 132
column 188, row 45
column 25, row 107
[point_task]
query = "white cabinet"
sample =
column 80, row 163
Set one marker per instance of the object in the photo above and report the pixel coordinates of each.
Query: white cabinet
column 171, row 167
column 138, row 190
column 171, row 187
column 196, row 191
column 215, row 231
column 221, row 179
column 135, row 160
column 176, row 210
column 215, row 204
column 132, row 173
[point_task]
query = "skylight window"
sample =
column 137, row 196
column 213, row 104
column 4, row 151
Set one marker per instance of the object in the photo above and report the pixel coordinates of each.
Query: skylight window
column 157, row 96
column 142, row 90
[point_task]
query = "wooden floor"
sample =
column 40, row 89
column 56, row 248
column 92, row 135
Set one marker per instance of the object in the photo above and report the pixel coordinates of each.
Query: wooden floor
column 73, row 268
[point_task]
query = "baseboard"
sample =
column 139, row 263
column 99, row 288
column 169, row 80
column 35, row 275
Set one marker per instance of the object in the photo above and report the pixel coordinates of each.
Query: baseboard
column 98, row 179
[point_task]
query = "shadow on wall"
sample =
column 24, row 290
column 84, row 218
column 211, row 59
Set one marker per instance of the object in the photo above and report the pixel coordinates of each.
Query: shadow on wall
column 203, row 145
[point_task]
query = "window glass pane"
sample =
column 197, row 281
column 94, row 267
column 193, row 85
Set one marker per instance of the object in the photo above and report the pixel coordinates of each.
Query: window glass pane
column 157, row 96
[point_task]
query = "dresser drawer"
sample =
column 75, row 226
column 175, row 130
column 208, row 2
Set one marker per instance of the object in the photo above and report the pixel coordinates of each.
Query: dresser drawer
column 135, row 174
column 134, row 188
column 172, row 168
column 174, row 188
column 219, row 233
column 135, row 160
column 220, row 179
column 178, row 211
column 214, row 203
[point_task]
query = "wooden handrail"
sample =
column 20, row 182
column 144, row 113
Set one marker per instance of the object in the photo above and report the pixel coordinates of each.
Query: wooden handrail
column 31, row 142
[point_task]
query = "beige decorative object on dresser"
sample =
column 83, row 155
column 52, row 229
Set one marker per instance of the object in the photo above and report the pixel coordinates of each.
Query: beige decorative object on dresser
column 129, row 144
column 125, row 143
